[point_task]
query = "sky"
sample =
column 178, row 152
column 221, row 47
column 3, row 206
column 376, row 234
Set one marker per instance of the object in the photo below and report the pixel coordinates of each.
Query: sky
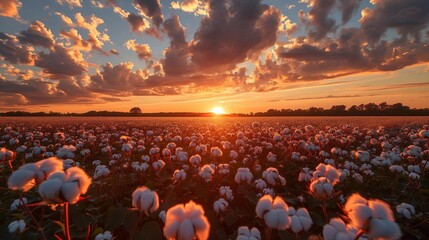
column 194, row 55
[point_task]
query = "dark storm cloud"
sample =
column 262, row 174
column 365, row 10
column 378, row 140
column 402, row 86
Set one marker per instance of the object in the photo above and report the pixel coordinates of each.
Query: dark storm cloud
column 137, row 23
column 38, row 91
column 320, row 22
column 151, row 9
column 61, row 61
column 117, row 80
column 176, row 61
column 355, row 50
column 233, row 31
column 37, row 35
column 409, row 18
column 15, row 53
column 348, row 8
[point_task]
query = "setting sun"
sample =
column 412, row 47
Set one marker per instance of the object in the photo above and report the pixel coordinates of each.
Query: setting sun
column 218, row 111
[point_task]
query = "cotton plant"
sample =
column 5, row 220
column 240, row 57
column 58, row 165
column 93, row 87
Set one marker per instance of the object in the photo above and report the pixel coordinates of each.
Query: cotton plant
column 186, row 221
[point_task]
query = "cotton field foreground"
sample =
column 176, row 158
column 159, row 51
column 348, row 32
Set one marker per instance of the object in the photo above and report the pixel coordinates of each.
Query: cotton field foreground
column 214, row 178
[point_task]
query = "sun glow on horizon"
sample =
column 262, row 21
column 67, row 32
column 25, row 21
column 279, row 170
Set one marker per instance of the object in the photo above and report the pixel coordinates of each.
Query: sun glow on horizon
column 218, row 110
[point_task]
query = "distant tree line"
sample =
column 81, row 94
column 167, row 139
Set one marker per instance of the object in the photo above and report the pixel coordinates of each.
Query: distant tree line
column 370, row 109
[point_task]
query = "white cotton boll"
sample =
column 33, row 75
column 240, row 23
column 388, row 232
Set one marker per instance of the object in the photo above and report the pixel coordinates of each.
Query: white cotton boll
column 48, row 166
column 274, row 213
column 295, row 156
column 50, row 189
column 414, row 176
column 145, row 200
column 223, row 168
column 243, row 175
column 413, row 168
column 76, row 174
column 17, row 226
column 264, row 204
column 162, row 216
column 233, row 154
column 17, row 203
column 186, row 230
column 195, row 159
column 305, row 175
column 277, row 219
column 396, row 169
column 272, row 176
column 226, row 191
column 300, row 220
column 6, row 155
column 268, row 191
column 405, row 209
column 216, row 152
column 22, row 179
column 337, row 230
column 206, row 173
column 358, row 177
column 220, row 205
column 260, row 184
column 71, row 192
column 271, row 157
column 381, row 210
column 381, row 229
column 166, row 152
column 186, row 222
column 158, row 165
column 101, row 171
column 179, row 174
column 321, row 188
column 107, row 235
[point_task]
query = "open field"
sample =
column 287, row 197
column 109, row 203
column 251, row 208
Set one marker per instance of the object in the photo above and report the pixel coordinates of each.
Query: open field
column 286, row 177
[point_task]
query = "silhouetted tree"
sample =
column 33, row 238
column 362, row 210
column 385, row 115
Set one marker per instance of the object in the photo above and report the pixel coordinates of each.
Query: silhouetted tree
column 135, row 110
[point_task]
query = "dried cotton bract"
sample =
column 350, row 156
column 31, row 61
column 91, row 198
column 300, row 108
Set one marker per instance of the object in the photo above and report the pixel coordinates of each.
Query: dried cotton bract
column 186, row 222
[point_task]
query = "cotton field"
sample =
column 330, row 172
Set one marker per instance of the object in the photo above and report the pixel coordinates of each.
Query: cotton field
column 214, row 178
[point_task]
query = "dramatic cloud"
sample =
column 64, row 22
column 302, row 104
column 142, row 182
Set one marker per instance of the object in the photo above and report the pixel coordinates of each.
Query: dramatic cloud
column 222, row 46
column 138, row 23
column 95, row 37
column 234, row 31
column 408, row 18
column 78, row 41
column 37, row 35
column 348, row 8
column 10, row 8
column 60, row 62
column 198, row 7
column 151, row 9
column 319, row 20
column 177, row 59
column 143, row 50
column 119, row 80
column 13, row 52
column 71, row 3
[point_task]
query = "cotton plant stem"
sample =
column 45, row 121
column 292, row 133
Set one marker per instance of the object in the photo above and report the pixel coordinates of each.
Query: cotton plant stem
column 67, row 223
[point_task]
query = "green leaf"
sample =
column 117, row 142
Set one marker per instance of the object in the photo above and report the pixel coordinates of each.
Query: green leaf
column 252, row 197
column 150, row 231
column 231, row 217
column 115, row 215
column 97, row 231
